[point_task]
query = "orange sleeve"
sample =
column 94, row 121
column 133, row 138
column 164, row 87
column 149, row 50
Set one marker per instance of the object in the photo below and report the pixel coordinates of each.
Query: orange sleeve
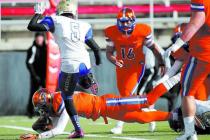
column 197, row 5
column 147, row 33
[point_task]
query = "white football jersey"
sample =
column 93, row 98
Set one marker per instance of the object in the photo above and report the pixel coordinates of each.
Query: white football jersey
column 70, row 36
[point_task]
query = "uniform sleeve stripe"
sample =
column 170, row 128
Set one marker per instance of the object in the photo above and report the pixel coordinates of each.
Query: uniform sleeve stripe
column 197, row 7
column 149, row 36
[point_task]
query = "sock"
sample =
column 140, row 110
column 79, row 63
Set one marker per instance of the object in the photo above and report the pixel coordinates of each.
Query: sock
column 75, row 122
column 72, row 113
column 189, row 125
column 120, row 124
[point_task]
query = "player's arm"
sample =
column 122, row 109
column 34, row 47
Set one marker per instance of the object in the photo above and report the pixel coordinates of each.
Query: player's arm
column 110, row 50
column 90, row 42
column 58, row 128
column 46, row 23
column 197, row 20
column 149, row 43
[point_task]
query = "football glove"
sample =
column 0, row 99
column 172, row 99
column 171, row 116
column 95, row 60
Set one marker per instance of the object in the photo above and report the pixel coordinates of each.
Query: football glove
column 29, row 137
column 39, row 8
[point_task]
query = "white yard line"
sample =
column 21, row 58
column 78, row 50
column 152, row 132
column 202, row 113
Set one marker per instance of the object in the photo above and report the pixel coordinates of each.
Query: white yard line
column 17, row 127
column 87, row 135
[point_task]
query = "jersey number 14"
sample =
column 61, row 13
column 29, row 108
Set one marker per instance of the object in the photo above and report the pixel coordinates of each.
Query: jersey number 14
column 127, row 55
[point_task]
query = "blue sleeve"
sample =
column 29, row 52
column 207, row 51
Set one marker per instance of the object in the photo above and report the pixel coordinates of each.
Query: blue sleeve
column 48, row 22
column 89, row 34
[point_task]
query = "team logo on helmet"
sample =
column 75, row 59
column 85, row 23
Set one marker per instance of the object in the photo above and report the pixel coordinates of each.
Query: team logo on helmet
column 126, row 20
column 42, row 101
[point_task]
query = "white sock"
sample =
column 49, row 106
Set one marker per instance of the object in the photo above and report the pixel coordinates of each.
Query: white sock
column 189, row 124
column 120, row 124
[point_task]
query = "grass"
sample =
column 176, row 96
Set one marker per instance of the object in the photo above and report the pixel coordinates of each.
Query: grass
column 93, row 130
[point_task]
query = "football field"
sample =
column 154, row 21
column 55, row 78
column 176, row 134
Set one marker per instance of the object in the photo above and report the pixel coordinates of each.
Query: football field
column 12, row 127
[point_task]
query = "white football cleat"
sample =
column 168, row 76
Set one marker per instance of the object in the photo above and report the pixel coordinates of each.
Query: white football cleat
column 116, row 130
column 152, row 126
column 188, row 137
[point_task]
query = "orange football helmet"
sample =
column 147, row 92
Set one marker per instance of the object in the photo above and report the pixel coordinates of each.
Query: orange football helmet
column 42, row 101
column 126, row 20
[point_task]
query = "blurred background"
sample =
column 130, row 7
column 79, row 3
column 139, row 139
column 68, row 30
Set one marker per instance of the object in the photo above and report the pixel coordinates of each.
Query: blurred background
column 15, row 40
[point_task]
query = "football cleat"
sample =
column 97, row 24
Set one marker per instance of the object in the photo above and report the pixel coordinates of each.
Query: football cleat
column 76, row 134
column 116, row 130
column 188, row 137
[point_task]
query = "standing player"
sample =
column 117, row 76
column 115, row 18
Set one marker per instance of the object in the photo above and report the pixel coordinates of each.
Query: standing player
column 198, row 67
column 71, row 36
column 128, row 38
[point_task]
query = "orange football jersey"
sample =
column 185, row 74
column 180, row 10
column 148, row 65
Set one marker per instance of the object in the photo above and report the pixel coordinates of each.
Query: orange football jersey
column 200, row 43
column 129, row 48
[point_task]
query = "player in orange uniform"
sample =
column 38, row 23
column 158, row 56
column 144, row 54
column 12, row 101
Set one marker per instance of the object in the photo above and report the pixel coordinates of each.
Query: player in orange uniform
column 127, row 39
column 198, row 67
column 53, row 116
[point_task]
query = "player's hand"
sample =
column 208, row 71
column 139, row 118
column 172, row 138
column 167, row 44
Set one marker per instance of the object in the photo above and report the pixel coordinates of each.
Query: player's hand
column 119, row 63
column 39, row 8
column 29, row 137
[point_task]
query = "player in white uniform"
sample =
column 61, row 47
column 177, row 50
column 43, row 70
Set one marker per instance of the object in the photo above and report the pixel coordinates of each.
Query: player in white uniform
column 71, row 36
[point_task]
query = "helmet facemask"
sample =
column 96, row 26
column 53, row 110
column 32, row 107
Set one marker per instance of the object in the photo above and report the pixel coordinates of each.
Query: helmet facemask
column 126, row 21
column 42, row 101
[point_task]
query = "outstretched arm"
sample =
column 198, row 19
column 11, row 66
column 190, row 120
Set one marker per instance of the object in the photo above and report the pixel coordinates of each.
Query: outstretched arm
column 95, row 48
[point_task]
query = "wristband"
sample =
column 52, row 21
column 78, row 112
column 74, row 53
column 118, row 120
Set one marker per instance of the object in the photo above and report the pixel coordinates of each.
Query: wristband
column 178, row 44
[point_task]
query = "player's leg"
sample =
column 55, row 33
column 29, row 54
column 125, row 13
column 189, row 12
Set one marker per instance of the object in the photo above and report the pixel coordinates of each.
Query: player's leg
column 67, row 85
column 145, row 117
column 194, row 75
column 162, row 88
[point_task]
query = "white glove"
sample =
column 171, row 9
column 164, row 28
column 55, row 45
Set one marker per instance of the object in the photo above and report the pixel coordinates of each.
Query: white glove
column 39, row 8
column 178, row 44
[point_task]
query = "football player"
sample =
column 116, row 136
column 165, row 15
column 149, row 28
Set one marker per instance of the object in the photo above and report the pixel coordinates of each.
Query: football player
column 127, row 39
column 198, row 66
column 181, row 56
column 71, row 35
column 53, row 116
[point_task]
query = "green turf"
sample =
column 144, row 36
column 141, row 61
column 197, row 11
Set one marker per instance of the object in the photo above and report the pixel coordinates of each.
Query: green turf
column 95, row 130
